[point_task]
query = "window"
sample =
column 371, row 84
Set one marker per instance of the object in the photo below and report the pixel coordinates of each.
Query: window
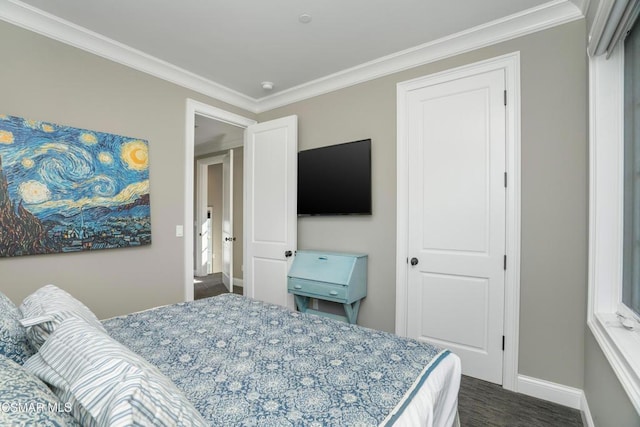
column 614, row 202
column 631, row 239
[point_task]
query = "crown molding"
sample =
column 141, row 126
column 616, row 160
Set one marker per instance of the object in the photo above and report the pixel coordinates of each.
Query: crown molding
column 30, row 18
column 583, row 6
column 540, row 18
column 215, row 147
column 548, row 15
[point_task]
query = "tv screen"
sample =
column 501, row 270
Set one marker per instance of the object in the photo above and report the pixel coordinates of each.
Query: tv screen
column 335, row 180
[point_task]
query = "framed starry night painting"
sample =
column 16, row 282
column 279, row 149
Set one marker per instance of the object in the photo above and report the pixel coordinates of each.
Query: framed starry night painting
column 64, row 189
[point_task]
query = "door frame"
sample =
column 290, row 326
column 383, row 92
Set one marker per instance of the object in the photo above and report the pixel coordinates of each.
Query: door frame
column 510, row 64
column 194, row 107
column 210, row 240
column 202, row 175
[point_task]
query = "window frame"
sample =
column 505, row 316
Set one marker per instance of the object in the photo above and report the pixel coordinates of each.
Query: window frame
column 631, row 178
column 606, row 195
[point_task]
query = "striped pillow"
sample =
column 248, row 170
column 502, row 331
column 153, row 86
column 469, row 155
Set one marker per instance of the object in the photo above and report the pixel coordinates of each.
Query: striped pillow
column 43, row 310
column 107, row 384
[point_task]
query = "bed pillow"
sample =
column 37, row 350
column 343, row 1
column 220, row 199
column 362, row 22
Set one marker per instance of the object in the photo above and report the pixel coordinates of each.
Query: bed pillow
column 43, row 310
column 13, row 336
column 107, row 384
column 27, row 401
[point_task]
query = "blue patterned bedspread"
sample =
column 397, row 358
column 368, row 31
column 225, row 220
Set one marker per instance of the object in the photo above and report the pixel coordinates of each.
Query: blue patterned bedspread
column 243, row 362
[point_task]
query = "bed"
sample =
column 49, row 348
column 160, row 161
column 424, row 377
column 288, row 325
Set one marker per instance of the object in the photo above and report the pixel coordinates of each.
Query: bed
column 242, row 362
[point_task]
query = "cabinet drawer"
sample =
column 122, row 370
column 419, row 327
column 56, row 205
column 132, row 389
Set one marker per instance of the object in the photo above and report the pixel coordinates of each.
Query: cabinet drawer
column 322, row 290
column 323, row 267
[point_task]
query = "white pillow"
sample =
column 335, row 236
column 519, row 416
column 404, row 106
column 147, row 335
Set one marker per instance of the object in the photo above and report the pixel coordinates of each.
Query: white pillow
column 43, row 310
column 106, row 383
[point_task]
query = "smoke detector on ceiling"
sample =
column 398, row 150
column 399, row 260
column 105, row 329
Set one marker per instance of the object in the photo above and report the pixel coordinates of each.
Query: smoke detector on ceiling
column 305, row 18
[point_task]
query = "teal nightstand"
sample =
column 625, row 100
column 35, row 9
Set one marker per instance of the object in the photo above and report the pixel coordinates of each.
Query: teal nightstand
column 329, row 276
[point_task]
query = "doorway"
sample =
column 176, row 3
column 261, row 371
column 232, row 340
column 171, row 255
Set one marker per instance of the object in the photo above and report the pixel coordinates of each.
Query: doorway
column 217, row 134
column 218, row 196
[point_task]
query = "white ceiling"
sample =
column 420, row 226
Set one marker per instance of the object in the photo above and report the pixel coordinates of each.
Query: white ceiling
column 238, row 44
column 213, row 135
column 226, row 48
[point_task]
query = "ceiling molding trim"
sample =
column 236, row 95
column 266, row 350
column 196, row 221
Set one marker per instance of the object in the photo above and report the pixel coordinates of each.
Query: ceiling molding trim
column 23, row 15
column 553, row 13
column 583, row 5
column 556, row 12
column 215, row 147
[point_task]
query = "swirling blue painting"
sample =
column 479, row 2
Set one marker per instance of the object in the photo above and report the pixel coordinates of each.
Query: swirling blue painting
column 64, row 189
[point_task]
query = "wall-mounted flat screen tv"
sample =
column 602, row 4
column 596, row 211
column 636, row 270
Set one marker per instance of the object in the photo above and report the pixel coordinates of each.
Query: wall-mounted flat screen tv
column 335, row 180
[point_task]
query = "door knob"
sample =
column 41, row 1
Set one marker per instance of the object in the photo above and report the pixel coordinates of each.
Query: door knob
column 414, row 261
column 287, row 254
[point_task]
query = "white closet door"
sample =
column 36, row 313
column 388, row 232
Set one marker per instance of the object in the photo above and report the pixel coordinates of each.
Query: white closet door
column 455, row 293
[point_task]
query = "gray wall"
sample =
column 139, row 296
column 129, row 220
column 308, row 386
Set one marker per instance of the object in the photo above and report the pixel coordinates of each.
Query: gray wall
column 554, row 192
column 238, row 205
column 591, row 13
column 608, row 402
column 45, row 80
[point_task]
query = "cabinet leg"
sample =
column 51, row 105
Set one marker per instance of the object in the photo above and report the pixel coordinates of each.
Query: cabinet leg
column 302, row 303
column 352, row 311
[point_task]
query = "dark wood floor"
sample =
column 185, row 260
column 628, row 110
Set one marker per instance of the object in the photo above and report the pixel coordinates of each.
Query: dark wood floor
column 482, row 404
column 210, row 286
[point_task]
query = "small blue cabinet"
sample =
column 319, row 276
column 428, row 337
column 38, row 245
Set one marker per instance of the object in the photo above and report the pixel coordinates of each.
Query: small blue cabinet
column 329, row 276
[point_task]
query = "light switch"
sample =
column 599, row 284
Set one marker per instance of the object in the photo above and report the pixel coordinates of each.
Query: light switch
column 179, row 231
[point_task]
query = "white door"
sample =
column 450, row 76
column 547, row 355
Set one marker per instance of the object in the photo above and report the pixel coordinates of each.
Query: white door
column 270, row 166
column 227, row 221
column 210, row 240
column 203, row 238
column 456, row 221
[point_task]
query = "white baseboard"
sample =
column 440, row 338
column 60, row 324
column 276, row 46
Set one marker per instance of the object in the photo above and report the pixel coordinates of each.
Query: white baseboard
column 238, row 282
column 552, row 392
column 587, row 419
column 557, row 393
